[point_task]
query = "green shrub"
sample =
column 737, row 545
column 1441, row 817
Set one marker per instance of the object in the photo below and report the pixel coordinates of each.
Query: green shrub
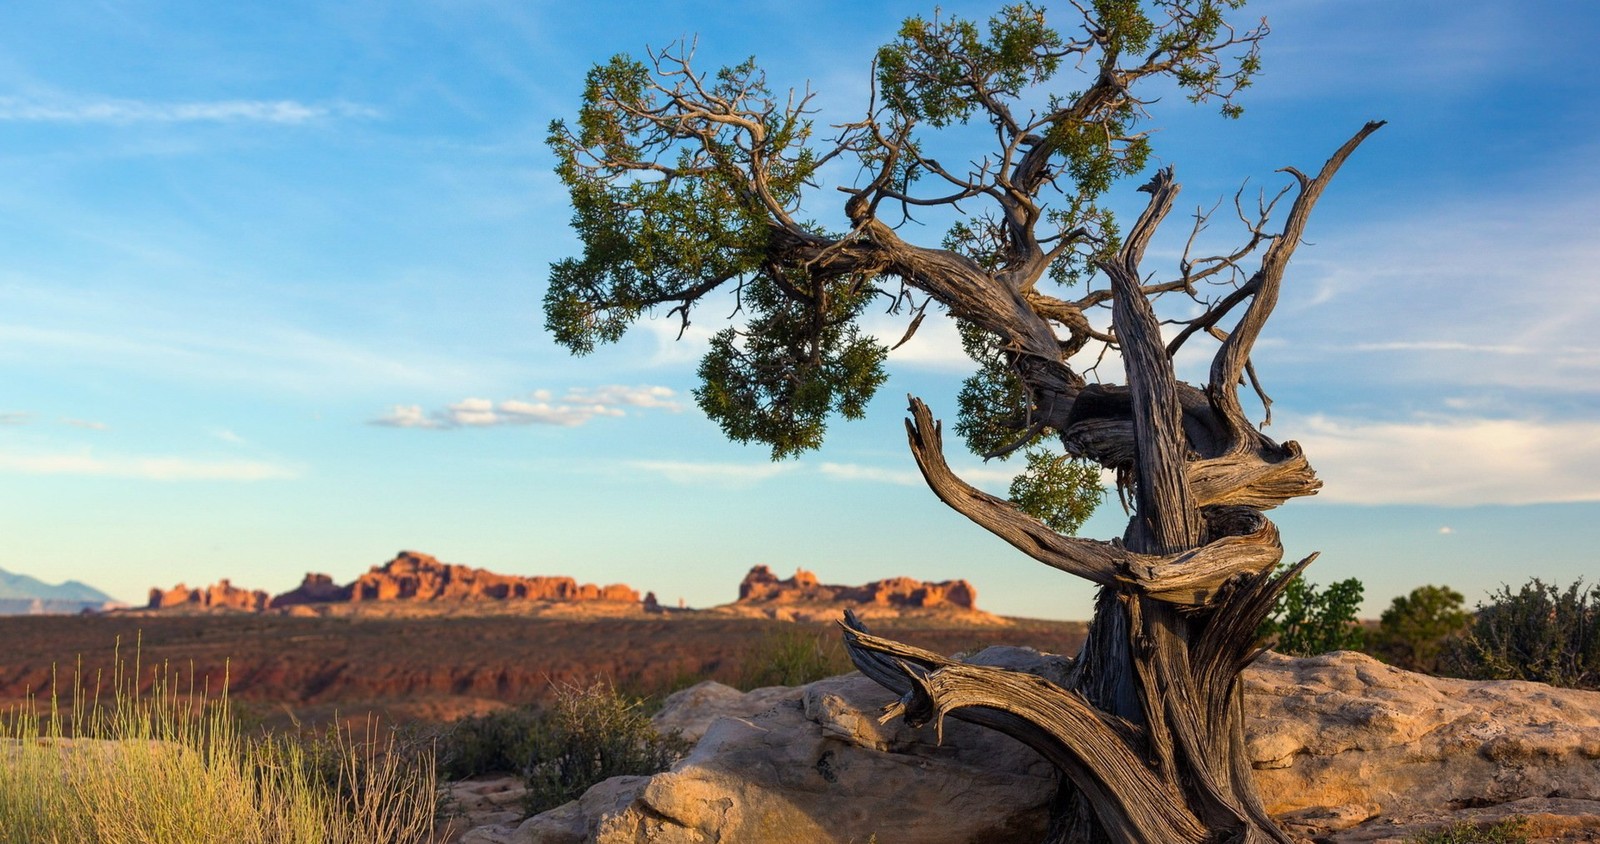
column 499, row 742
column 1307, row 622
column 592, row 734
column 1512, row 830
column 1416, row 629
column 1540, row 632
column 793, row 655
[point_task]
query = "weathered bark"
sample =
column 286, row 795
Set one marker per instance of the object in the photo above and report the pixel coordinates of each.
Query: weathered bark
column 1149, row 731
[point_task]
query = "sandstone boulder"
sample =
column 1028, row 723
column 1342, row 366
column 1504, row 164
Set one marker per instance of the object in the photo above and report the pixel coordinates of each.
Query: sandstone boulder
column 1347, row 750
column 812, row 765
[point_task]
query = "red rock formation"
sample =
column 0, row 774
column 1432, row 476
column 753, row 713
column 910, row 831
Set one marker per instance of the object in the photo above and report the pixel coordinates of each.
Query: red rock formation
column 221, row 594
column 761, row 586
column 314, row 589
column 410, row 576
column 419, row 577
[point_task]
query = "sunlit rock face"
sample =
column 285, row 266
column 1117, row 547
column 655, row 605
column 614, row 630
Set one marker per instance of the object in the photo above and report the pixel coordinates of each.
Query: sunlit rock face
column 1345, row 748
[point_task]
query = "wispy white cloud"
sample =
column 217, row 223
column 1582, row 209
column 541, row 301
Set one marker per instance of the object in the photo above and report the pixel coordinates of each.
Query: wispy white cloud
column 662, row 398
column 123, row 111
column 15, row 417
column 874, row 474
column 996, row 476
column 163, row 468
column 1461, row 462
column 85, row 424
column 577, row 407
column 734, row 474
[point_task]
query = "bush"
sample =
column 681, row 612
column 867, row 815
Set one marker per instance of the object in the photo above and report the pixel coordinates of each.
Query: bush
column 499, row 742
column 793, row 655
column 1307, row 622
column 1540, row 633
column 1415, row 630
column 592, row 734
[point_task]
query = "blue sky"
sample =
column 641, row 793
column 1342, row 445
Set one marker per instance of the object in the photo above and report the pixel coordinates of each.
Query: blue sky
column 270, row 278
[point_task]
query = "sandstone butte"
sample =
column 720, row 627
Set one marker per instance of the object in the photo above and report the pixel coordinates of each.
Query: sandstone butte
column 410, row 576
column 761, row 586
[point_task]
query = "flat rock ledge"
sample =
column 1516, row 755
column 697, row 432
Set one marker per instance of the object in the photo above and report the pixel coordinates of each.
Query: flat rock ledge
column 1346, row 750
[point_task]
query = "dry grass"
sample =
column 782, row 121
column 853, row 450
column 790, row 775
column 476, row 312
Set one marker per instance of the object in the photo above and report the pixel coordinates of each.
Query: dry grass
column 167, row 765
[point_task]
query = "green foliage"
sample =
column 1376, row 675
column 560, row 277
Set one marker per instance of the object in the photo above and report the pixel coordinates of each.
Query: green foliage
column 1415, row 629
column 1307, row 621
column 1540, row 632
column 592, row 734
column 941, row 71
column 1512, row 830
column 498, row 742
column 683, row 184
column 659, row 217
column 1058, row 490
column 793, row 655
column 777, row 380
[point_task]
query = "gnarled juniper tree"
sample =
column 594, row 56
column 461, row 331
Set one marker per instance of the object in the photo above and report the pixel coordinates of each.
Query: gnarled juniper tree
column 686, row 183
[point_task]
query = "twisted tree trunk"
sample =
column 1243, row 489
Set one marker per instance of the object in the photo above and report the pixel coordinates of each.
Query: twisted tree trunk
column 1149, row 730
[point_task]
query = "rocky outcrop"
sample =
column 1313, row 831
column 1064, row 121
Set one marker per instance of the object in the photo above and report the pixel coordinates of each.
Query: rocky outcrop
column 811, row 765
column 419, row 577
column 761, row 586
column 313, row 589
column 1344, row 740
column 220, row 595
column 1346, row 750
column 409, row 577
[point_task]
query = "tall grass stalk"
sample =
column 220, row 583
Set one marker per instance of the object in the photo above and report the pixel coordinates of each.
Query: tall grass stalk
column 165, row 765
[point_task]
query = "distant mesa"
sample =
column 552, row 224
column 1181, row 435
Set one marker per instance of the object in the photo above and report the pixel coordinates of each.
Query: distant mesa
column 24, row 595
column 761, row 586
column 411, row 577
column 804, row 598
column 218, row 596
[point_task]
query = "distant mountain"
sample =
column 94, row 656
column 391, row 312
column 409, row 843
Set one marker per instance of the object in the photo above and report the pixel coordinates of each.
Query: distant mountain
column 21, row 594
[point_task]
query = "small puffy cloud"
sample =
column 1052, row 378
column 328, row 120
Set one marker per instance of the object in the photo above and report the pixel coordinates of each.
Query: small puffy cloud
column 662, row 398
column 408, row 416
column 471, row 413
column 577, row 407
column 1446, row 530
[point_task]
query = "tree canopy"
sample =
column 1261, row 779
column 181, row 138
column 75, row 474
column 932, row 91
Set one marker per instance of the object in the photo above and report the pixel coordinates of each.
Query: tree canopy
column 686, row 183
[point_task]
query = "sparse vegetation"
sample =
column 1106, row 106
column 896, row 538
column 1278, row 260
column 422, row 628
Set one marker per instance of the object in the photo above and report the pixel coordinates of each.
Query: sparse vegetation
column 793, row 655
column 1540, row 632
column 167, row 766
column 1307, row 621
column 590, row 733
column 1511, row 830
